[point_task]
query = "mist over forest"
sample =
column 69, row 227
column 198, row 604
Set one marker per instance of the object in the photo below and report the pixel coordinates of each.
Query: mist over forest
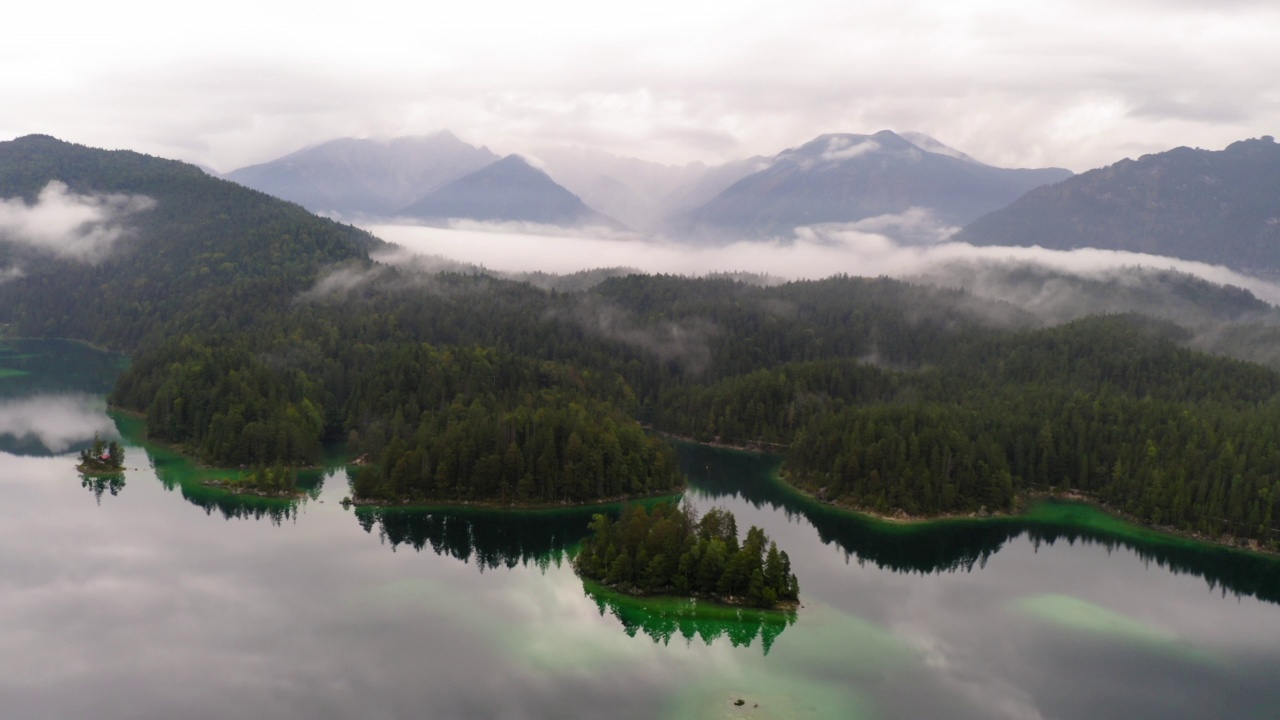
column 495, row 356
column 1054, row 285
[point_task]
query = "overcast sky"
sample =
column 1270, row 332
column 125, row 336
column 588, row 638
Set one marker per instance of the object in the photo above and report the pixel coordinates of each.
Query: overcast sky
column 1071, row 83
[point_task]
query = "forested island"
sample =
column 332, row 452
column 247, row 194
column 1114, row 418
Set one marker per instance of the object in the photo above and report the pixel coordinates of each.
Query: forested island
column 101, row 458
column 259, row 334
column 671, row 551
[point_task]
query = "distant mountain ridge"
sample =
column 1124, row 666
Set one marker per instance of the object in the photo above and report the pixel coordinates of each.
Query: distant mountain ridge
column 354, row 178
column 509, row 190
column 1220, row 207
column 835, row 178
column 844, row 178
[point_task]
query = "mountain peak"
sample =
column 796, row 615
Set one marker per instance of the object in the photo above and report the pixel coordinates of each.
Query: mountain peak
column 930, row 144
column 1265, row 144
column 361, row 177
column 36, row 137
column 515, row 160
column 508, row 190
column 846, row 177
column 839, row 147
column 889, row 136
column 40, row 141
column 439, row 138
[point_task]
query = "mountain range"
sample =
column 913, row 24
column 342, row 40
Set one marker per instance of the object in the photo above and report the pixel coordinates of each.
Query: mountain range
column 1220, row 207
column 1211, row 206
column 353, row 178
column 845, row 178
column 834, row 178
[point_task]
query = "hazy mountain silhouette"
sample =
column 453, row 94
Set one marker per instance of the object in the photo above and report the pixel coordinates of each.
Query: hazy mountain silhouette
column 710, row 183
column 845, row 178
column 626, row 188
column 510, row 190
column 1220, row 207
column 370, row 178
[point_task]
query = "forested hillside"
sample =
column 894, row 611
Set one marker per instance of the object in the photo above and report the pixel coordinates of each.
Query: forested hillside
column 469, row 387
column 887, row 396
column 259, row 334
column 197, row 253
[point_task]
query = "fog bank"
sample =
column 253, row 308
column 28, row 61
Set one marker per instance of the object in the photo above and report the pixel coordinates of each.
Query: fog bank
column 813, row 252
column 58, row 422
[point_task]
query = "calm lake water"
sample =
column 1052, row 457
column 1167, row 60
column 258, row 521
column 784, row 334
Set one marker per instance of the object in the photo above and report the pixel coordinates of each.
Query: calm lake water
column 150, row 596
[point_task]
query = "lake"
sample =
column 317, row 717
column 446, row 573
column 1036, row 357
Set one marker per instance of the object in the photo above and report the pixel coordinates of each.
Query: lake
column 148, row 595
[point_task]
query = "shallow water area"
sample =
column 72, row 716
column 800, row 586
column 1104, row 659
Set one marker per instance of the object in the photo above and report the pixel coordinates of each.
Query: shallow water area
column 154, row 596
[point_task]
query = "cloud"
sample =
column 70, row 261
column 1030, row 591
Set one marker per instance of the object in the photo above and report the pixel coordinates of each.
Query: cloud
column 1055, row 295
column 1030, row 285
column 341, row 281
column 916, row 226
column 69, row 225
column 1063, row 82
column 522, row 227
column 400, row 270
column 10, row 273
column 842, row 148
column 57, row 421
column 812, row 252
column 394, row 270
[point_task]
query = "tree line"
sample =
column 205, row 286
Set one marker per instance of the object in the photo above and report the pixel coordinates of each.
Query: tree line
column 672, row 551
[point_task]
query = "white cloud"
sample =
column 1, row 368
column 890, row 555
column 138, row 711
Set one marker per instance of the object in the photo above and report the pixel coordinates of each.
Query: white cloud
column 1075, row 83
column 842, row 148
column 814, row 252
column 69, row 225
column 57, row 421
column 916, row 226
column 341, row 280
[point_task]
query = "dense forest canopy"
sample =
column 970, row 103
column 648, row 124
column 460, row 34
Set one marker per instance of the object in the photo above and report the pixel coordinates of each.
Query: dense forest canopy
column 672, row 551
column 259, row 333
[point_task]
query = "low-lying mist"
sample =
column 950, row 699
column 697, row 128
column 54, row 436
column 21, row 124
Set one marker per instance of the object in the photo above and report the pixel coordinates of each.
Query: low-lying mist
column 56, row 422
column 67, row 224
column 813, row 252
column 1225, row 312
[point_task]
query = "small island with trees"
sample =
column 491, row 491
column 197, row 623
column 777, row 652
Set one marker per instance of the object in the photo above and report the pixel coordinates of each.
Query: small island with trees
column 101, row 458
column 670, row 551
